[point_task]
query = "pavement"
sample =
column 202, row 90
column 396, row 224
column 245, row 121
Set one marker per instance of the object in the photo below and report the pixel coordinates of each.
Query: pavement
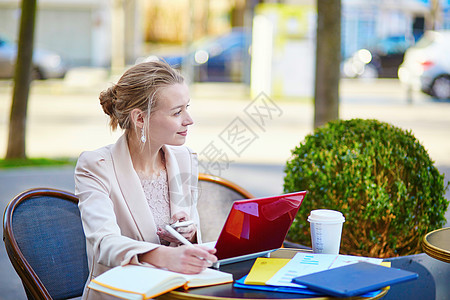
column 64, row 119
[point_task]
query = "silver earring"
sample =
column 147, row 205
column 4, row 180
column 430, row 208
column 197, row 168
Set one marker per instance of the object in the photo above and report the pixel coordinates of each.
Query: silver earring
column 143, row 137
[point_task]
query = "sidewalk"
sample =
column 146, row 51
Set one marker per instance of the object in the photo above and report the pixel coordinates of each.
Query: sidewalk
column 65, row 119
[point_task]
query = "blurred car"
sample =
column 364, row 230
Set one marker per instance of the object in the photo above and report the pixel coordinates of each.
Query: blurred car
column 46, row 64
column 220, row 58
column 380, row 60
column 426, row 65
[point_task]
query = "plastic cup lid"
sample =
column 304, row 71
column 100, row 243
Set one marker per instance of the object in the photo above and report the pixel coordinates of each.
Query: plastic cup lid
column 326, row 216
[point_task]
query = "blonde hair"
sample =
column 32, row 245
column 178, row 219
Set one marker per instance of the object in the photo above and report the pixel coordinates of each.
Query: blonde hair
column 138, row 88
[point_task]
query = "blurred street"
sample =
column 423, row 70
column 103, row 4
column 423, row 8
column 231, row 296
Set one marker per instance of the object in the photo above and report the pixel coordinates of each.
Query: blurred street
column 65, row 118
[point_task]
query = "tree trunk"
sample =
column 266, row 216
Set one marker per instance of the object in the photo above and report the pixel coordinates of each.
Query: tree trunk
column 22, row 80
column 328, row 59
column 436, row 15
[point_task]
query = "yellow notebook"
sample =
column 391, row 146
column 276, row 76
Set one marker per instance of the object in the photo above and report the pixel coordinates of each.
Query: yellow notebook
column 263, row 269
column 141, row 282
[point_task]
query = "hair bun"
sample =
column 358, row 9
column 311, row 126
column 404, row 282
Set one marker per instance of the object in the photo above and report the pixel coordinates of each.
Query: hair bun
column 107, row 99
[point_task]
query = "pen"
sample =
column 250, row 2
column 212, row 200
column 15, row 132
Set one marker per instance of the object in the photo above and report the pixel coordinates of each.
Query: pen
column 182, row 239
column 178, row 236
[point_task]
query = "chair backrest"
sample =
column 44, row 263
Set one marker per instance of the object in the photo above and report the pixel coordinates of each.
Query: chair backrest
column 215, row 198
column 45, row 243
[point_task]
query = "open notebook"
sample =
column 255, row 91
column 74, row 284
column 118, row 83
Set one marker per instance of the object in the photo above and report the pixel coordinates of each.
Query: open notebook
column 255, row 227
column 144, row 282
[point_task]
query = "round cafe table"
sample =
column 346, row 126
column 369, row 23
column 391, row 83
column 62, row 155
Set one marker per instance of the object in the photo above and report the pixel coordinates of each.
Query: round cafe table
column 437, row 244
column 227, row 291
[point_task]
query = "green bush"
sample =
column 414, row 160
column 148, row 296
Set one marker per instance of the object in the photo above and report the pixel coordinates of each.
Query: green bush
column 379, row 176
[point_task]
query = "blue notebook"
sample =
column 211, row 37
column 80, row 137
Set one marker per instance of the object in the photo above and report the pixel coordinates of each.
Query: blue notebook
column 272, row 288
column 354, row 279
column 287, row 289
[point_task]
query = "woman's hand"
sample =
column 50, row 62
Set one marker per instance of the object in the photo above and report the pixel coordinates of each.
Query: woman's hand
column 183, row 259
column 189, row 232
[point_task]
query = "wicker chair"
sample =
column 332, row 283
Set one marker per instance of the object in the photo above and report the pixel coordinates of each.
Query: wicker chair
column 215, row 199
column 45, row 243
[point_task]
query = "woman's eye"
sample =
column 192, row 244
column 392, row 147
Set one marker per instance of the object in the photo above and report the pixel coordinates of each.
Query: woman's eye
column 181, row 110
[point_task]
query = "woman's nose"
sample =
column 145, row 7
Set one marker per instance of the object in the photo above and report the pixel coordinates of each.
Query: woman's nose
column 188, row 120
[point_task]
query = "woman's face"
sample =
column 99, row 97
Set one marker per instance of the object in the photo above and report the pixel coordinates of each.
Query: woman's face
column 169, row 119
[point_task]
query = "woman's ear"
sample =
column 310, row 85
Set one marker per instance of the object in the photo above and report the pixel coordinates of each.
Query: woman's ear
column 137, row 117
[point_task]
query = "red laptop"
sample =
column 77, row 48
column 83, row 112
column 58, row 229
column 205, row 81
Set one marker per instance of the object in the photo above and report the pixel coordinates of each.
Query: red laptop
column 255, row 227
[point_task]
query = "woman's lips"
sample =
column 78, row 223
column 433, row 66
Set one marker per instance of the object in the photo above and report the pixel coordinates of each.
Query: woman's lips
column 183, row 133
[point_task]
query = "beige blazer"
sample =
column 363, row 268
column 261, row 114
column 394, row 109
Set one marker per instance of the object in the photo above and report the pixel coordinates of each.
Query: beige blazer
column 116, row 218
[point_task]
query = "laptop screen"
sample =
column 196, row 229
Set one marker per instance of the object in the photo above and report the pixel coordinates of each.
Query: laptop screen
column 257, row 225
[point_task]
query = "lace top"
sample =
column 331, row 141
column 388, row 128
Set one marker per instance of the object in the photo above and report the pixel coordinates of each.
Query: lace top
column 156, row 192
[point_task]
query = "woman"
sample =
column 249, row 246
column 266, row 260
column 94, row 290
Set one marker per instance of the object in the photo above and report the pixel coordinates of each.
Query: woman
column 128, row 191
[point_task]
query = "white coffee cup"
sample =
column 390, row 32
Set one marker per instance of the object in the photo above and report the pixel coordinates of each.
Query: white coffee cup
column 326, row 230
